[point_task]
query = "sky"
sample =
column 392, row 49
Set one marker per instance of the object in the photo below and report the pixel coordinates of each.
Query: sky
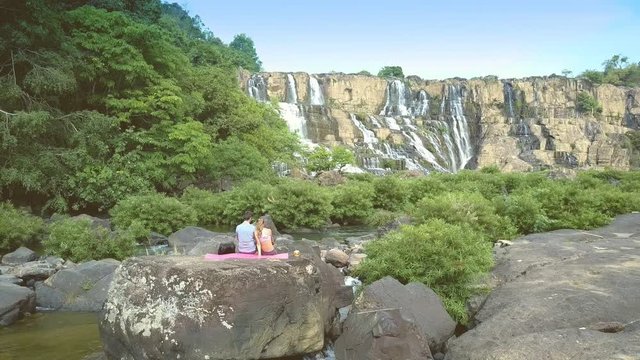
column 432, row 39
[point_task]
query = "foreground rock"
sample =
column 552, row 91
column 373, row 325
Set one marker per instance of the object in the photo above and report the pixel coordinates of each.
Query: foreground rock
column 417, row 303
column 380, row 335
column 184, row 307
column 80, row 288
column 15, row 302
column 555, row 291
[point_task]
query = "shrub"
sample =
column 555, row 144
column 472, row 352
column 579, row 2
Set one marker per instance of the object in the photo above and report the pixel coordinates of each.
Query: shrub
column 466, row 208
column 154, row 212
column 353, row 202
column 252, row 195
column 17, row 228
column 301, row 204
column 382, row 218
column 76, row 240
column 209, row 206
column 524, row 212
column 448, row 258
column 425, row 186
column 391, row 193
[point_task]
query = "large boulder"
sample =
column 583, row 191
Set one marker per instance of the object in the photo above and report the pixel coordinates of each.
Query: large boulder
column 380, row 335
column 337, row 258
column 554, row 293
column 15, row 301
column 20, row 256
column 80, row 288
column 34, row 270
column 417, row 303
column 170, row 307
column 186, row 239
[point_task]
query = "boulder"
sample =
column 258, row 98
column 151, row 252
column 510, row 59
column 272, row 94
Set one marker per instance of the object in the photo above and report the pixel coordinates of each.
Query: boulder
column 81, row 288
column 562, row 292
column 34, row 270
column 10, row 279
column 15, row 301
column 380, row 335
column 186, row 239
column 360, row 240
column 417, row 303
column 330, row 243
column 330, row 178
column 337, row 258
column 170, row 307
column 155, row 239
column 20, row 256
column 94, row 221
column 355, row 260
column 218, row 245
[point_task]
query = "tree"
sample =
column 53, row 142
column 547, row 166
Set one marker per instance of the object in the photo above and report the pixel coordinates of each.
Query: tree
column 391, row 71
column 244, row 45
column 566, row 72
column 320, row 160
column 364, row 72
column 586, row 103
column 342, row 157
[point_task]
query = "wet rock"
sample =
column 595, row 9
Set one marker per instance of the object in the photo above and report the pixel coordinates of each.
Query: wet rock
column 20, row 256
column 355, row 260
column 337, row 258
column 81, row 288
column 155, row 303
column 156, row 239
column 10, row 279
column 34, row 270
column 15, row 302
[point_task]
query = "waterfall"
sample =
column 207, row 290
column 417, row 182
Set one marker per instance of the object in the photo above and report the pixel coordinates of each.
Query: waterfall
column 257, row 88
column 398, row 95
column 459, row 128
column 294, row 117
column 418, row 146
column 315, row 92
column 508, row 99
column 375, row 121
column 391, row 123
column 422, row 105
column 368, row 136
column 291, row 95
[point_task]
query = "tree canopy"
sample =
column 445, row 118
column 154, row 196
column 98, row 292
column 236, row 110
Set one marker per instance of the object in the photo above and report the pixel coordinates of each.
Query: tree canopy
column 391, row 71
column 617, row 70
column 104, row 98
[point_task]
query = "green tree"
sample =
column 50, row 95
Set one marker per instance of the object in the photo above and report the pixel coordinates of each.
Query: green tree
column 585, row 103
column 391, row 71
column 244, row 45
column 320, row 160
column 341, row 157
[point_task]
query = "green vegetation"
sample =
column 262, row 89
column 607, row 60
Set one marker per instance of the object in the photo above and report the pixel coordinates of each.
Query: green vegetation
column 323, row 159
column 364, row 72
column 78, row 241
column 617, row 71
column 391, row 71
column 119, row 98
column 18, row 228
column 585, row 103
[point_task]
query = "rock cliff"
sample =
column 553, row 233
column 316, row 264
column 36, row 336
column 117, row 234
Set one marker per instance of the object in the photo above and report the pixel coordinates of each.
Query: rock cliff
column 448, row 125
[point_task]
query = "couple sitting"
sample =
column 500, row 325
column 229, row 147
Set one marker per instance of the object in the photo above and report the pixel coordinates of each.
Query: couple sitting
column 256, row 239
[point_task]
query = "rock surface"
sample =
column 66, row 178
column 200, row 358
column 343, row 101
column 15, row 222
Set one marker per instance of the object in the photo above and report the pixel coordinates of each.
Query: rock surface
column 555, row 291
column 337, row 258
column 80, row 288
column 15, row 301
column 19, row 256
column 184, row 307
column 380, row 335
column 186, row 239
column 417, row 303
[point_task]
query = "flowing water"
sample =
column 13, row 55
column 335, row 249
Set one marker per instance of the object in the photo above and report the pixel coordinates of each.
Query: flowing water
column 315, row 92
column 51, row 336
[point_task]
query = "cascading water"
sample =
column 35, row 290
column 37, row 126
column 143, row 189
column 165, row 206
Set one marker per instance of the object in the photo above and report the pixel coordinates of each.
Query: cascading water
column 315, row 92
column 508, row 99
column 291, row 95
column 398, row 97
column 421, row 107
column 459, row 128
column 257, row 88
column 369, row 137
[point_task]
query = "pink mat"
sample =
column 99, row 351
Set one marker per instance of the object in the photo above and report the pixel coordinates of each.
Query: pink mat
column 237, row 256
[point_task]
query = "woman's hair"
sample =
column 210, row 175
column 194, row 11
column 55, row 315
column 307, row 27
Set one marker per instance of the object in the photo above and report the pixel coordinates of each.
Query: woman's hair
column 260, row 225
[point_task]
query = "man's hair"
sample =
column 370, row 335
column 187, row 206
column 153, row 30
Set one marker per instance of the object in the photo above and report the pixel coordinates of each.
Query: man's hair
column 247, row 215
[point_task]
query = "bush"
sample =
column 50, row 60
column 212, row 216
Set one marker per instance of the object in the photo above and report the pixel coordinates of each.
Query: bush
column 467, row 208
column 382, row 218
column 154, row 212
column 209, row 206
column 18, row 228
column 353, row 202
column 391, row 193
column 448, row 258
column 76, row 240
column 253, row 195
column 301, row 204
column 524, row 211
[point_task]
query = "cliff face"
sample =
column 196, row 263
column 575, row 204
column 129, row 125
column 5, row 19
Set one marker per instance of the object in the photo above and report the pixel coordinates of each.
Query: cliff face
column 516, row 124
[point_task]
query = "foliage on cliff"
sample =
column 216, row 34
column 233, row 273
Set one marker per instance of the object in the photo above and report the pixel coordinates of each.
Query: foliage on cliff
column 391, row 71
column 617, row 71
column 106, row 99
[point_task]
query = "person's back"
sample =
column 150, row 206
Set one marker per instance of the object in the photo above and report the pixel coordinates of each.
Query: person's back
column 244, row 234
